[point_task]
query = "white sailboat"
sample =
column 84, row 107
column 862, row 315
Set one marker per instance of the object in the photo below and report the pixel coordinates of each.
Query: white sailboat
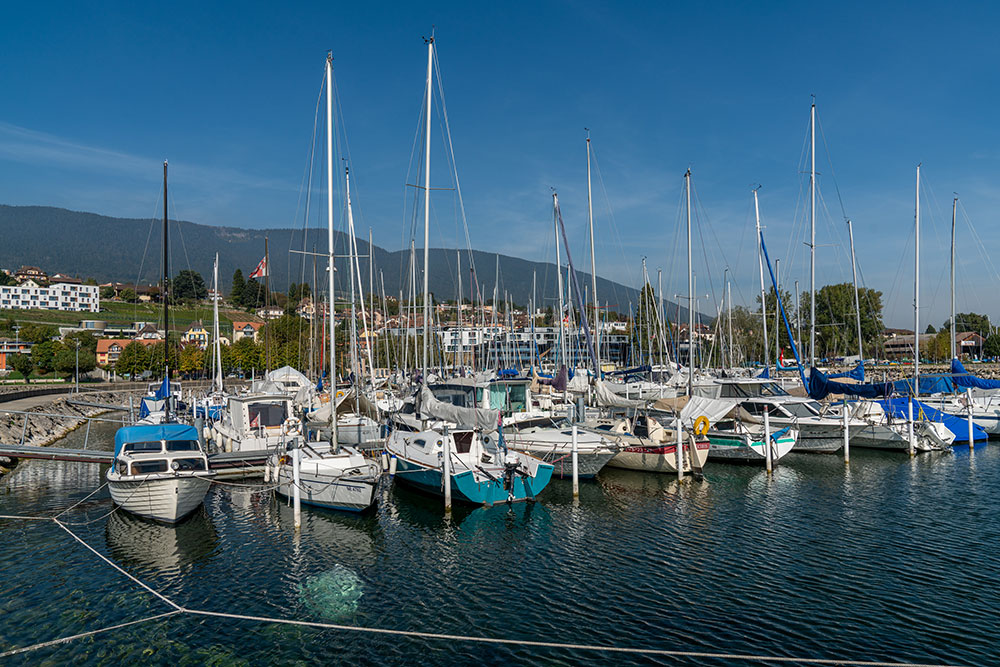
column 329, row 475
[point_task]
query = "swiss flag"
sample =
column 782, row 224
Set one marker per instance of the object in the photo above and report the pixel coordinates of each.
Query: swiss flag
column 255, row 422
column 261, row 269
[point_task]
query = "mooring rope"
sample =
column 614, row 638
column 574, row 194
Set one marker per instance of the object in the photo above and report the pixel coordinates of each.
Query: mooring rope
column 420, row 634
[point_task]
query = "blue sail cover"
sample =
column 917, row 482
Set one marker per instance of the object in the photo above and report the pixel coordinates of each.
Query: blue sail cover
column 766, row 373
column 965, row 380
column 897, row 407
column 820, row 386
column 858, row 373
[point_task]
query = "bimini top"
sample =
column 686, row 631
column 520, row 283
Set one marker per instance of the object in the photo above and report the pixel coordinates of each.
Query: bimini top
column 153, row 433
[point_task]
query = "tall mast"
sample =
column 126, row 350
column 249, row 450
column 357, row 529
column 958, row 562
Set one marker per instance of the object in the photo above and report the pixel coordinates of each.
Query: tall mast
column 777, row 314
column 660, row 339
column 267, row 305
column 916, row 289
column 458, row 317
column 315, row 317
column 593, row 262
column 729, row 306
column 166, row 290
column 216, row 343
column 687, row 193
column 427, row 201
column 329, row 238
column 798, row 320
column 954, row 208
column 352, row 254
column 812, row 239
column 857, row 299
column 559, row 283
column 760, row 266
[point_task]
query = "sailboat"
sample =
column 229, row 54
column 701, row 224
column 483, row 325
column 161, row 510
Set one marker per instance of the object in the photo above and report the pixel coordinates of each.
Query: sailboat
column 470, row 455
column 329, row 475
column 159, row 470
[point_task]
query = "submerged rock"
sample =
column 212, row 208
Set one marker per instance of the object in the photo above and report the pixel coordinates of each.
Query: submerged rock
column 334, row 594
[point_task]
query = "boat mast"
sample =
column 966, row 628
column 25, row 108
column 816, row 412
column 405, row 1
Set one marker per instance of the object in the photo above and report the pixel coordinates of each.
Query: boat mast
column 812, row 239
column 427, row 202
column 729, row 307
column 593, row 262
column 458, row 316
column 954, row 208
column 329, row 238
column 777, row 315
column 916, row 289
column 760, row 266
column 687, row 191
column 857, row 299
column 352, row 255
column 166, row 296
column 267, row 306
column 217, row 344
column 559, row 283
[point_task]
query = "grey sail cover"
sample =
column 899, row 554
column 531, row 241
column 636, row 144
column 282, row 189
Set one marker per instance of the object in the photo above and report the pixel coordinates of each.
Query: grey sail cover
column 479, row 418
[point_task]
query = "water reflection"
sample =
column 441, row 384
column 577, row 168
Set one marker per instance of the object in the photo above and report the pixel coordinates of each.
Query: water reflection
column 165, row 549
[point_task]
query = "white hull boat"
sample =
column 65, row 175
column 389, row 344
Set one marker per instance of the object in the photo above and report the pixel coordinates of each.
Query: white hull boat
column 342, row 480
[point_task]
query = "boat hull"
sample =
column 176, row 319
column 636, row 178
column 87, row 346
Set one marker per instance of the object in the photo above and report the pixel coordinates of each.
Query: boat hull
column 656, row 459
column 328, row 483
column 745, row 449
column 467, row 487
column 167, row 499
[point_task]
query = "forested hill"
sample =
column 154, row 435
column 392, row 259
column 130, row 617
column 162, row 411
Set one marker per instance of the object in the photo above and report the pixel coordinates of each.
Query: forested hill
column 129, row 250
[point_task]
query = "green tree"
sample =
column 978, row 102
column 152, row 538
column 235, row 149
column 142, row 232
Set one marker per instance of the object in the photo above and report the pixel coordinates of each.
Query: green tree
column 969, row 322
column 252, row 295
column 930, row 329
column 133, row 360
column 128, row 295
column 7, row 280
column 65, row 362
column 836, row 328
column 246, row 355
column 991, row 348
column 236, row 295
column 191, row 360
column 188, row 286
column 38, row 333
column 156, row 360
column 87, row 340
column 23, row 364
column 43, row 355
column 107, row 293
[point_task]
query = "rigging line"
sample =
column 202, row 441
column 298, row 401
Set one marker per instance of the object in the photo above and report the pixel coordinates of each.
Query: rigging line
column 451, row 153
column 614, row 222
column 703, row 212
column 145, row 250
column 829, row 159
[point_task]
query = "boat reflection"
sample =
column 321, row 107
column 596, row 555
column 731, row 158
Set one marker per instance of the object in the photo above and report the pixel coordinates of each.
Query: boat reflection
column 167, row 549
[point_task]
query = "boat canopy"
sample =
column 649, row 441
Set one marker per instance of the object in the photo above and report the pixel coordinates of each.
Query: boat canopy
column 968, row 381
column 856, row 373
column 479, row 418
column 153, row 433
column 606, row 398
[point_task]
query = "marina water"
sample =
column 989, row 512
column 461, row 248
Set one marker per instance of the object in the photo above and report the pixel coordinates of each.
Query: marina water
column 891, row 558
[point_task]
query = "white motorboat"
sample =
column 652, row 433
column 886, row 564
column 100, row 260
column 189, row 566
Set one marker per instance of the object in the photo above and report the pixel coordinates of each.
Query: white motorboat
column 340, row 479
column 737, row 442
column 646, row 445
column 159, row 471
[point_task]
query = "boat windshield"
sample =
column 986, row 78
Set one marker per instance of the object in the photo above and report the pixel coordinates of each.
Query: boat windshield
column 182, row 445
column 188, row 464
column 460, row 397
column 799, row 409
column 143, row 446
column 772, row 389
column 146, row 467
column 267, row 414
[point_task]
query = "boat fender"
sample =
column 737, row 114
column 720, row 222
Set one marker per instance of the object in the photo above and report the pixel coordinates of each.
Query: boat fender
column 393, row 462
column 701, row 426
column 267, row 474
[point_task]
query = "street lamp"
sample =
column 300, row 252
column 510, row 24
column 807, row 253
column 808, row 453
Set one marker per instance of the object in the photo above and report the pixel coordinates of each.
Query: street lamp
column 77, row 365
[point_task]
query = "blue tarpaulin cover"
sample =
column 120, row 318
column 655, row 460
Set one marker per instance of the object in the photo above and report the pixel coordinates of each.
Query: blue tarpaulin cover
column 153, row 433
column 964, row 379
column 857, row 373
column 960, row 427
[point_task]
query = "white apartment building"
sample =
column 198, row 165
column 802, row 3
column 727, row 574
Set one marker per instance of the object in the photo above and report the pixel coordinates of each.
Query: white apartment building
column 58, row 296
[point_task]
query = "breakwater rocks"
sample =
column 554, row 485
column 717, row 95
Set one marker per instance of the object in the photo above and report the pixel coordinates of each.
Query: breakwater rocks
column 37, row 427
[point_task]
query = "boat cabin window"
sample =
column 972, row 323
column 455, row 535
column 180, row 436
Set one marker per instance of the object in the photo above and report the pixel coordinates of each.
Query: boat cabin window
column 517, row 397
column 408, row 408
column 267, row 414
column 461, row 397
column 799, row 409
column 182, row 445
column 772, row 389
column 188, row 464
column 143, row 446
column 146, row 467
column 755, row 409
column 733, row 391
column 463, row 441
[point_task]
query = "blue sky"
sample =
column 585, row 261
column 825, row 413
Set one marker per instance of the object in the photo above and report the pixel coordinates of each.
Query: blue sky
column 93, row 100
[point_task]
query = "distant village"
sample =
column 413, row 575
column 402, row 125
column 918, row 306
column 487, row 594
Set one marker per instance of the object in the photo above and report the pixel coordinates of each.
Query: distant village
column 460, row 329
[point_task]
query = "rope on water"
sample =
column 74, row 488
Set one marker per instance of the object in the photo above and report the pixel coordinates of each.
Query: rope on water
column 419, row 634
column 80, row 501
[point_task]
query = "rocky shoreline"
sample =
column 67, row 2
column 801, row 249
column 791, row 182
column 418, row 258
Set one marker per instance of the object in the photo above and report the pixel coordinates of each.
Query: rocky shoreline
column 43, row 430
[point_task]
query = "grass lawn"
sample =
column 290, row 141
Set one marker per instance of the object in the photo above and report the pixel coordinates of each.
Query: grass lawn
column 116, row 313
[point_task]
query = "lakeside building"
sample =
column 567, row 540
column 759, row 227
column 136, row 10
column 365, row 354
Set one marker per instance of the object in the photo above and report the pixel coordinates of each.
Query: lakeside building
column 9, row 348
column 57, row 296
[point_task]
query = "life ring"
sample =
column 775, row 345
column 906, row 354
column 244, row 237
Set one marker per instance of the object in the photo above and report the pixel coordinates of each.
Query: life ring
column 701, row 426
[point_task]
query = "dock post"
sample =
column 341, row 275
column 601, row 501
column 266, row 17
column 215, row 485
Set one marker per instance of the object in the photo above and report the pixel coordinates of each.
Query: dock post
column 847, row 436
column 447, row 471
column 911, row 444
column 576, row 463
column 679, row 454
column 968, row 413
column 768, row 460
column 296, row 491
column 131, row 410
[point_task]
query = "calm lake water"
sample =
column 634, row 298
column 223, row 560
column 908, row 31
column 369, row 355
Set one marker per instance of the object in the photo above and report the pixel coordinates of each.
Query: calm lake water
column 891, row 559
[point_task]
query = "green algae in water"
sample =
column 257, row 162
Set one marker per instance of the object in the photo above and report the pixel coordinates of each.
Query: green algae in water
column 332, row 595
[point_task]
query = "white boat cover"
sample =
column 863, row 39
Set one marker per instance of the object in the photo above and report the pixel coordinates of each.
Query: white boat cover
column 712, row 408
column 345, row 405
column 579, row 383
column 288, row 376
column 608, row 399
column 478, row 418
